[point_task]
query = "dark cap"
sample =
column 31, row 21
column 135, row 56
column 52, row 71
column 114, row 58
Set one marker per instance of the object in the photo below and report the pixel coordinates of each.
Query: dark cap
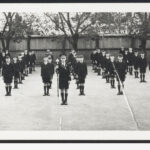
column 120, row 56
column 63, row 56
column 80, row 56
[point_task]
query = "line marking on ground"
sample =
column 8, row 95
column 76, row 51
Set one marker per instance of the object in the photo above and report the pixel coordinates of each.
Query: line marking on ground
column 60, row 123
column 130, row 108
column 126, row 99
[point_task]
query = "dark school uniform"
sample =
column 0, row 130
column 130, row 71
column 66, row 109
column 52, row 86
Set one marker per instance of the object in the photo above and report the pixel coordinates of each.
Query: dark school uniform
column 26, row 60
column 64, row 76
column 1, row 60
column 142, row 65
column 51, row 69
column 136, row 60
column 45, row 73
column 16, row 70
column 8, row 73
column 81, row 71
column 130, row 58
column 121, row 70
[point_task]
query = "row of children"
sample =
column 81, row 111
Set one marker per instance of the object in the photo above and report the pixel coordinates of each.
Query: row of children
column 16, row 68
column 105, row 64
column 64, row 71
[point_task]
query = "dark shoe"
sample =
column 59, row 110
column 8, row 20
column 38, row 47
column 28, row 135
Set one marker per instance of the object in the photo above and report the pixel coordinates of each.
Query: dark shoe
column 144, row 81
column 44, row 94
column 62, row 103
column 119, row 93
column 65, row 103
column 9, row 94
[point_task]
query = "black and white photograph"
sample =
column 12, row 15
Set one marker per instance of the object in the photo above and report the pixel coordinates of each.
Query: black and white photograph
column 74, row 72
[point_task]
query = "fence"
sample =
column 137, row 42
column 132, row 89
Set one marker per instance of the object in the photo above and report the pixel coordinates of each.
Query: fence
column 111, row 43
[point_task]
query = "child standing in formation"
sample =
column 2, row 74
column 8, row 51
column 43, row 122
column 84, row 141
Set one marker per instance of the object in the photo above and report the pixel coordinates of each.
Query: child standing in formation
column 81, row 71
column 51, row 68
column 21, row 69
column 45, row 74
column 1, row 62
column 16, row 72
column 111, row 70
column 98, row 57
column 34, row 59
column 121, row 70
column 130, row 60
column 142, row 66
column 107, row 62
column 136, row 63
column 26, row 62
column 63, row 71
column 8, row 73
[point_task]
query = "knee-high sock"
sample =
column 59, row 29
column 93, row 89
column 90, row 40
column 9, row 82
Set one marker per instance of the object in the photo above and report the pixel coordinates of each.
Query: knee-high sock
column 143, row 77
column 80, row 89
column 83, row 89
column 62, row 97
column 66, row 96
column 47, row 87
column 9, row 89
column 45, row 90
column 119, row 90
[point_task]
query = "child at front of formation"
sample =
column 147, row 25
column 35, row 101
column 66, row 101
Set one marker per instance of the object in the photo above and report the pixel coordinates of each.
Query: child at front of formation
column 16, row 72
column 81, row 71
column 51, row 68
column 63, row 70
column 121, row 70
column 142, row 65
column 8, row 73
column 45, row 74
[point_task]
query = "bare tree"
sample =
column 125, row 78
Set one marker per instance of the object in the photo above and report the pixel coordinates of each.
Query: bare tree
column 72, row 25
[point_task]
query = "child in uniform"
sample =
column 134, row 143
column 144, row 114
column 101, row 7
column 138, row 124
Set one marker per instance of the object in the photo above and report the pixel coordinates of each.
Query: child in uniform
column 81, row 71
column 63, row 70
column 8, row 73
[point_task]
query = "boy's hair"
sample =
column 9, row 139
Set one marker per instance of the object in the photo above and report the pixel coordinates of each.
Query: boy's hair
column 120, row 56
column 7, row 57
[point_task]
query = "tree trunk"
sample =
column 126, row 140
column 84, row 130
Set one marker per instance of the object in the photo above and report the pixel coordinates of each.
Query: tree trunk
column 132, row 42
column 143, row 44
column 97, row 41
column 28, row 42
column 75, row 38
column 64, row 45
column 7, row 43
column 3, row 44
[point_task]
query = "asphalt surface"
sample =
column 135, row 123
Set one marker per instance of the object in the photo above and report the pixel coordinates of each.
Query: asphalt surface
column 100, row 109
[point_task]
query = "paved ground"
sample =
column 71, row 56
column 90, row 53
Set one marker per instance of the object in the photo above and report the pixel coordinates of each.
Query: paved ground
column 100, row 109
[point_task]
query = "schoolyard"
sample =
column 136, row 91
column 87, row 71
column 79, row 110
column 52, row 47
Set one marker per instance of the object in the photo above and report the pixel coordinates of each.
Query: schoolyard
column 99, row 109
